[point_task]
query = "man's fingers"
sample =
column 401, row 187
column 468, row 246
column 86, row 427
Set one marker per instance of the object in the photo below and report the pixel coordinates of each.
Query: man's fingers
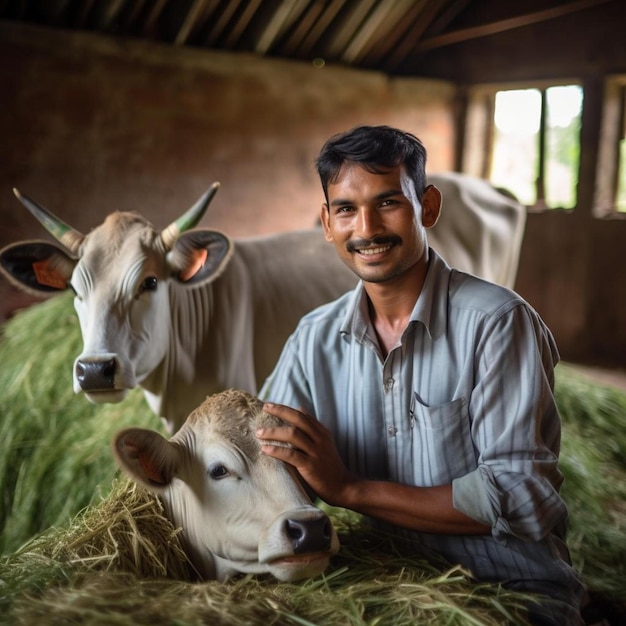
column 285, row 413
column 280, row 452
column 289, row 435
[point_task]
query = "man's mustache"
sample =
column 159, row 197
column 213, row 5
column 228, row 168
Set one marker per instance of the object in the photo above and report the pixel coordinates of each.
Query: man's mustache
column 354, row 244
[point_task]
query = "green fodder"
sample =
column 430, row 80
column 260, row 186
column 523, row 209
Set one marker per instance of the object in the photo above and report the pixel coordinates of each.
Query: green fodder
column 121, row 562
column 54, row 445
column 593, row 460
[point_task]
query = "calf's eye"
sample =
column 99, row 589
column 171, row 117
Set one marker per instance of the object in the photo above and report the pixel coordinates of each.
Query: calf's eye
column 149, row 284
column 216, row 472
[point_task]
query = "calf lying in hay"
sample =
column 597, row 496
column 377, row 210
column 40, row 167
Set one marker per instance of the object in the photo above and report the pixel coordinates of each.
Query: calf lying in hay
column 121, row 562
column 240, row 511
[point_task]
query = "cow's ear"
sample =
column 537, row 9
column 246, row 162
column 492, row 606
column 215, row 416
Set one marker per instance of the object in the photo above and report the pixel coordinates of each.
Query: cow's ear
column 146, row 456
column 200, row 256
column 37, row 267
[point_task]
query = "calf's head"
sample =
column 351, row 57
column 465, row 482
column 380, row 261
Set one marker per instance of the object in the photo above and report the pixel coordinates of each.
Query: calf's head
column 240, row 511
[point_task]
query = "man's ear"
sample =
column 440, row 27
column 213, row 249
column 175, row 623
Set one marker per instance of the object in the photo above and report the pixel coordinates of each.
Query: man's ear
column 325, row 221
column 431, row 206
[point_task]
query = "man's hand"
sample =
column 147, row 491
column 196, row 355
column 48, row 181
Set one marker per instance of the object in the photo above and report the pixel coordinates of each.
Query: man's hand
column 312, row 453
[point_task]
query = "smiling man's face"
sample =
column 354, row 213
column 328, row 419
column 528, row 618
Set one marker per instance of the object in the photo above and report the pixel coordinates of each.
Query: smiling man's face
column 376, row 222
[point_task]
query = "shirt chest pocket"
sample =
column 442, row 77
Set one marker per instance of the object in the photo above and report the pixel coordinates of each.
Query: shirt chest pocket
column 442, row 442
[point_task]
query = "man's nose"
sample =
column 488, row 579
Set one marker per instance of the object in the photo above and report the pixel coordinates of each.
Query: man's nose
column 369, row 223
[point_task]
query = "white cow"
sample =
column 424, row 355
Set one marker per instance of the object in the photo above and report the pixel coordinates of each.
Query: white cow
column 239, row 510
column 187, row 314
column 480, row 229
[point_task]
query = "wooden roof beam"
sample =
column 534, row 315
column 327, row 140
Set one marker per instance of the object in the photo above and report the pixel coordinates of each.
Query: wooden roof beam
column 501, row 26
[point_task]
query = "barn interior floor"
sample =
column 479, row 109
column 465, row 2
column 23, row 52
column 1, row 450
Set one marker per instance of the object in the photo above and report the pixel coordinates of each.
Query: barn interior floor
column 603, row 376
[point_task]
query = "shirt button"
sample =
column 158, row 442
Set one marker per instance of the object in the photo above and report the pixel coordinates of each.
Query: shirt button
column 392, row 430
column 389, row 384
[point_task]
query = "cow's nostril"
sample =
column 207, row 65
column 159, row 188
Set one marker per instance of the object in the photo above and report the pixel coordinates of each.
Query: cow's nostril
column 327, row 532
column 309, row 535
column 108, row 369
column 80, row 372
column 294, row 530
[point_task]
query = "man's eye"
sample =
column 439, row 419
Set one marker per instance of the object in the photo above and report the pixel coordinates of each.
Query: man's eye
column 149, row 284
column 216, row 472
column 388, row 202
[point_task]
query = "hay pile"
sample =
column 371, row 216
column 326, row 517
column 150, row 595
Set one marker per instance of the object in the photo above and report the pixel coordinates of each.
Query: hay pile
column 593, row 460
column 121, row 562
column 55, row 460
column 54, row 445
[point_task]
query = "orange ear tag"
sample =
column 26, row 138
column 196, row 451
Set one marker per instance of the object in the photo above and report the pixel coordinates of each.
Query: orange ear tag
column 198, row 260
column 45, row 275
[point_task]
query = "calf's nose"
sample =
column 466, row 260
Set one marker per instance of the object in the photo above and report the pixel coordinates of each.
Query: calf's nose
column 96, row 374
column 309, row 535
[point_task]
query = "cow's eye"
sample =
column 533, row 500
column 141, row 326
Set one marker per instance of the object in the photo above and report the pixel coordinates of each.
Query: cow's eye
column 216, row 472
column 76, row 294
column 149, row 284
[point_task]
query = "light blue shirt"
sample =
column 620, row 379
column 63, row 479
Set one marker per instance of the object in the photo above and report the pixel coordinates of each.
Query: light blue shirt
column 466, row 397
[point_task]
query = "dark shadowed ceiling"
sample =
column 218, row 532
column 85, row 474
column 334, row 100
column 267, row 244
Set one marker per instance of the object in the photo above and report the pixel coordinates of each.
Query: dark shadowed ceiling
column 387, row 35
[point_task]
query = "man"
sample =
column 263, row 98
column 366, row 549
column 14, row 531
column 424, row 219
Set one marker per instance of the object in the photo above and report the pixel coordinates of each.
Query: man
column 432, row 390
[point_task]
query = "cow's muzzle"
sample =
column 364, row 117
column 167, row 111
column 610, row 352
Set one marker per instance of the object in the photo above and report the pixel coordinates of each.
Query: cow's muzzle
column 96, row 374
column 309, row 535
column 296, row 533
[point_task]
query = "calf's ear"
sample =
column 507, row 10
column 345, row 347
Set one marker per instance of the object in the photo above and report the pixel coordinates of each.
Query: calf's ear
column 37, row 267
column 146, row 456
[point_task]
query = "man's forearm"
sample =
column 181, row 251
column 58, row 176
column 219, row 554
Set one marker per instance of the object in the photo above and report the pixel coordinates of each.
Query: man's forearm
column 425, row 509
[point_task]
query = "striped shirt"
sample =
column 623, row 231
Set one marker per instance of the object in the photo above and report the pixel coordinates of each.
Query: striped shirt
column 465, row 397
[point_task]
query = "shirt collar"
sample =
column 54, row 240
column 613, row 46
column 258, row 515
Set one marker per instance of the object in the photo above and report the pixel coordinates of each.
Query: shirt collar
column 431, row 308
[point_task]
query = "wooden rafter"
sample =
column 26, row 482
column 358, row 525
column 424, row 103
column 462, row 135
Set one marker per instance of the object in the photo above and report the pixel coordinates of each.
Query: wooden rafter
column 324, row 21
column 501, row 26
column 250, row 8
column 376, row 28
column 287, row 12
column 351, row 25
column 429, row 11
column 195, row 10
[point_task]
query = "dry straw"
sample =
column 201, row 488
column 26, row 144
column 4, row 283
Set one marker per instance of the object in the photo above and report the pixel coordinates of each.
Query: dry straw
column 121, row 562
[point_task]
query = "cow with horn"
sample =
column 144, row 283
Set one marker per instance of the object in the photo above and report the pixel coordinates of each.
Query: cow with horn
column 183, row 313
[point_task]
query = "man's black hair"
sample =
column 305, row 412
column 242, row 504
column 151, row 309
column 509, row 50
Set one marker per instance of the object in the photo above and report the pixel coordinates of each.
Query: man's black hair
column 377, row 149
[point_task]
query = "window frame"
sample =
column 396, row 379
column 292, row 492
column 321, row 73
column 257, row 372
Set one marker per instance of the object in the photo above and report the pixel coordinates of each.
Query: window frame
column 479, row 133
column 612, row 132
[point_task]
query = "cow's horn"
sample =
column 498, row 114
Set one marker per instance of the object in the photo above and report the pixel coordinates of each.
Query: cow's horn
column 66, row 235
column 189, row 219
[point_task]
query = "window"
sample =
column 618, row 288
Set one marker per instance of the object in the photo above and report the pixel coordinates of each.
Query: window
column 530, row 142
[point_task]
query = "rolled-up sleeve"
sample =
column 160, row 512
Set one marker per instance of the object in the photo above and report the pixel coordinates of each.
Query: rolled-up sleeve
column 516, row 430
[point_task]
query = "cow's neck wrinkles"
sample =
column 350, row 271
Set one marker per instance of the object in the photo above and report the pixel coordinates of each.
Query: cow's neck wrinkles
column 194, row 351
